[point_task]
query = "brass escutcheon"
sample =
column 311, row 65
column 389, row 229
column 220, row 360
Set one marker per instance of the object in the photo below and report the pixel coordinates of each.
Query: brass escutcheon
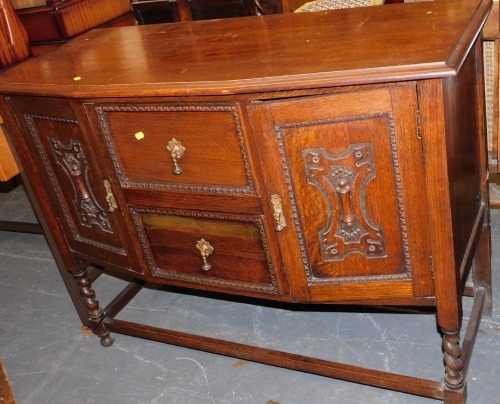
column 205, row 250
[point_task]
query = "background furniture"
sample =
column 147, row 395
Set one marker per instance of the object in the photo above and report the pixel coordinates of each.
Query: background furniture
column 491, row 58
column 322, row 5
column 58, row 21
column 358, row 178
column 162, row 11
column 14, row 48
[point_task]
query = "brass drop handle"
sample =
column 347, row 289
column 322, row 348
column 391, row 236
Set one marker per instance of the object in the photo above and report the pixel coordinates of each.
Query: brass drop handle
column 176, row 150
column 110, row 198
column 278, row 215
column 205, row 250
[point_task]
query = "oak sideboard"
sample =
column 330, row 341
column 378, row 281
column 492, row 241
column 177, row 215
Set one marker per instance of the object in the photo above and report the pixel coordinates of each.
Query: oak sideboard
column 335, row 157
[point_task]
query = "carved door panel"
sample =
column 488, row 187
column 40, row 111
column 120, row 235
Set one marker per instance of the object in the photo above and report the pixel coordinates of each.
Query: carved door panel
column 345, row 174
column 81, row 193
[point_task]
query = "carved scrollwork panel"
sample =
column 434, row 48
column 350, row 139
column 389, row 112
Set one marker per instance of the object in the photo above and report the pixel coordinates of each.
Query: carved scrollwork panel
column 73, row 195
column 73, row 162
column 342, row 180
column 346, row 198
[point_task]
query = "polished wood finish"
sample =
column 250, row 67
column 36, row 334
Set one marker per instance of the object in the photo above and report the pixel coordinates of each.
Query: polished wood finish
column 270, row 170
column 210, row 70
column 60, row 21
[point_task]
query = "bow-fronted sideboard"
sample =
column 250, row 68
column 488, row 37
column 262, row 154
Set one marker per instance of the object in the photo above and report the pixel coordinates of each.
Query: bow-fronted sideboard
column 336, row 157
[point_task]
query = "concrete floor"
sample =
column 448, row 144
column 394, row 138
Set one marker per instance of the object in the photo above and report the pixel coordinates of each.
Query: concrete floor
column 50, row 359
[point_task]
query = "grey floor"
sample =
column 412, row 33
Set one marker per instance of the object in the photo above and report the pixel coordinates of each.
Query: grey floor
column 50, row 359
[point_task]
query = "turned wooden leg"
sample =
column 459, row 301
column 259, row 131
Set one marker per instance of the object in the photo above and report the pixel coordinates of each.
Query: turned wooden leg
column 96, row 315
column 455, row 387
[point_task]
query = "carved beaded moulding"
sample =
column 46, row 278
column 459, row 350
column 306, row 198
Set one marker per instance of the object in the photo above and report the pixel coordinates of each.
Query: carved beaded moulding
column 203, row 279
column 232, row 108
column 72, row 160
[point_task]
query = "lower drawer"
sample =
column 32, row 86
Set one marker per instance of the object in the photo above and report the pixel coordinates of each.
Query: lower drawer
column 228, row 252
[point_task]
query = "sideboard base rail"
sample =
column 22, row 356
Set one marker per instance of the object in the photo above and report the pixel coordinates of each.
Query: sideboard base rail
column 20, row 227
column 392, row 381
column 472, row 328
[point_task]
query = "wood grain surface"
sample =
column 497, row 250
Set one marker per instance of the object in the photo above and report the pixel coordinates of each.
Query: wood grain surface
column 339, row 47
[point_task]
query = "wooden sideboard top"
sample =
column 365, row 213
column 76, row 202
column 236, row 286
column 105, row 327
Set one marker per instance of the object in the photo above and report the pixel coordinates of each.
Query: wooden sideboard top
column 253, row 54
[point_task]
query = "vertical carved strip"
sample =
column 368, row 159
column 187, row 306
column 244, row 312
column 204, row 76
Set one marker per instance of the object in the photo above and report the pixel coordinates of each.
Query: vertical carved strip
column 74, row 164
column 454, row 378
column 96, row 314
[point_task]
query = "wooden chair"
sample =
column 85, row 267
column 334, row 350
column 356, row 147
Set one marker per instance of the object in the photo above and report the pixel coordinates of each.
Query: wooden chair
column 491, row 47
column 14, row 48
column 321, row 5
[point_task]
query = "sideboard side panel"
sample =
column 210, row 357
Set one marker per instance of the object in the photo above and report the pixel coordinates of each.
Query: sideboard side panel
column 464, row 143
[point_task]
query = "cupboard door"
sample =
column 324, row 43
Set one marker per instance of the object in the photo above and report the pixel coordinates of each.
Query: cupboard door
column 345, row 172
column 81, row 193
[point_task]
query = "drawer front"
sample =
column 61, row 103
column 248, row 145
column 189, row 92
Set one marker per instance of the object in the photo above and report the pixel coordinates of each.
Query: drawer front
column 227, row 252
column 178, row 146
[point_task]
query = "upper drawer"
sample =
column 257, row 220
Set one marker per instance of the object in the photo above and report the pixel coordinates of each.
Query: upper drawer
column 178, row 146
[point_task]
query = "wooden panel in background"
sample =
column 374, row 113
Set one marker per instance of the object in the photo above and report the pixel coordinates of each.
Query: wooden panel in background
column 68, row 19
